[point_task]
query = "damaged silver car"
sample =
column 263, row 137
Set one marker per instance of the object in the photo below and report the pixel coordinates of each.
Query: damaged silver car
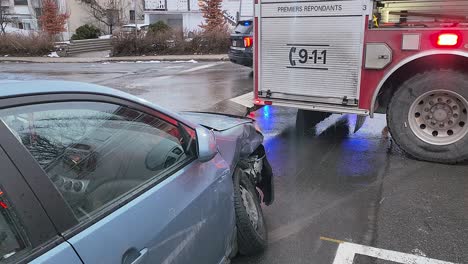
column 94, row 175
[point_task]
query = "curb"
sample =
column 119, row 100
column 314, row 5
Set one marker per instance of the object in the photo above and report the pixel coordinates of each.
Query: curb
column 221, row 57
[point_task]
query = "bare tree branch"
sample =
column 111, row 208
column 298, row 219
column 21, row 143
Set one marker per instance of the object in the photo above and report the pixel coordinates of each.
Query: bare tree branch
column 5, row 19
column 107, row 12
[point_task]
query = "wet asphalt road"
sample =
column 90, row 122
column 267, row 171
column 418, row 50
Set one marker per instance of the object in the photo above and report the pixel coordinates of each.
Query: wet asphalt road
column 174, row 85
column 355, row 187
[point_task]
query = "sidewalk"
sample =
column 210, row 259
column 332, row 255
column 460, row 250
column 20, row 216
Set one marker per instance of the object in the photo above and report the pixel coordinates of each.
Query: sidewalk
column 217, row 57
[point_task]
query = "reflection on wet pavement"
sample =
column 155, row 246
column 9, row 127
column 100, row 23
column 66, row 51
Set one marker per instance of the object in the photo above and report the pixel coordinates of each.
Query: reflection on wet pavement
column 337, row 184
column 179, row 86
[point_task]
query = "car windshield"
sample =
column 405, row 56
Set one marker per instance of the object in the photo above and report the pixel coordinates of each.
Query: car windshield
column 244, row 27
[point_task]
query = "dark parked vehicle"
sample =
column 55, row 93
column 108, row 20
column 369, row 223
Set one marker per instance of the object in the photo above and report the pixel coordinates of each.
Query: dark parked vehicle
column 241, row 51
column 95, row 175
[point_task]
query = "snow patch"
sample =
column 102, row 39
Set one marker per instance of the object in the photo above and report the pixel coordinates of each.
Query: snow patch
column 152, row 61
column 53, row 55
column 187, row 61
column 418, row 252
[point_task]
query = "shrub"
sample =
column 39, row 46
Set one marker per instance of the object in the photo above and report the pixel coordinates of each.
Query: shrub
column 171, row 43
column 26, row 45
column 158, row 27
column 212, row 42
column 86, row 32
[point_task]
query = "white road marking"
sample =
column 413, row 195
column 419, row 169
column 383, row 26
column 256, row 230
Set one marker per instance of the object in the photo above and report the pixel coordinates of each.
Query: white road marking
column 245, row 99
column 347, row 251
column 199, row 68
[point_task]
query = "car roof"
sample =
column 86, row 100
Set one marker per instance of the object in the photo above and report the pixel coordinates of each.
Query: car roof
column 13, row 88
column 10, row 88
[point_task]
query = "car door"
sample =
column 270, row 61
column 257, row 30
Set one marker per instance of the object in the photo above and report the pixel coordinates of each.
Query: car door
column 136, row 190
column 26, row 233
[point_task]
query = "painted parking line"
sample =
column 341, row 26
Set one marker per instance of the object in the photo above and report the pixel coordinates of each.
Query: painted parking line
column 347, row 251
column 245, row 100
column 199, row 68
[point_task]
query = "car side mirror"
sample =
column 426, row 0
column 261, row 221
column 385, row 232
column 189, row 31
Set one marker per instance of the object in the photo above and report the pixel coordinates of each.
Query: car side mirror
column 206, row 144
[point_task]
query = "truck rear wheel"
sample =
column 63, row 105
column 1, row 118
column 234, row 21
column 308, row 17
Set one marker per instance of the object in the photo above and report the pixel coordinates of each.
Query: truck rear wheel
column 428, row 118
column 306, row 121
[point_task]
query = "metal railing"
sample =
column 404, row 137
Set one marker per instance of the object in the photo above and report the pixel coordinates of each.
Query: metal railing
column 87, row 45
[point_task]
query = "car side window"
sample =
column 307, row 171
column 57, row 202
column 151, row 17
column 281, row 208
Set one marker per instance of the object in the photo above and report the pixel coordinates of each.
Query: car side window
column 94, row 152
column 12, row 239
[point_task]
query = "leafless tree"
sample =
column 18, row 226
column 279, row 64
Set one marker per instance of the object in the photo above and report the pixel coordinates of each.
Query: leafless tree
column 5, row 19
column 105, row 11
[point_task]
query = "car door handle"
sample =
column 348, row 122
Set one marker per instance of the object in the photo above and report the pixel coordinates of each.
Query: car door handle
column 132, row 256
column 142, row 257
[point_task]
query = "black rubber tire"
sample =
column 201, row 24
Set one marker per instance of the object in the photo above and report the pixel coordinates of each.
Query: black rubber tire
column 307, row 120
column 400, row 104
column 249, row 240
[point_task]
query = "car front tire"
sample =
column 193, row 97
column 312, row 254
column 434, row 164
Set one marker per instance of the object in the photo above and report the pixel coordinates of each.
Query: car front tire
column 251, row 229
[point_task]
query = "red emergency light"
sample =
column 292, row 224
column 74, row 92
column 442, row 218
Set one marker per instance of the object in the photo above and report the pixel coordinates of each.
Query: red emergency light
column 3, row 204
column 248, row 42
column 448, row 40
column 261, row 102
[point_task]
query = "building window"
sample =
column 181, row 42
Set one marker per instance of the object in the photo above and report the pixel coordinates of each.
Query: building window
column 38, row 11
column 132, row 15
column 21, row 2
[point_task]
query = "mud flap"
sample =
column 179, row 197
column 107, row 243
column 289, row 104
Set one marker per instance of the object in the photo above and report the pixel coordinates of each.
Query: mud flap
column 360, row 120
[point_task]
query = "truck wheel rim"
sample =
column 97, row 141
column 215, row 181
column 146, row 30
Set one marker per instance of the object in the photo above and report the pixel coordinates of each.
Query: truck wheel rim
column 250, row 207
column 439, row 117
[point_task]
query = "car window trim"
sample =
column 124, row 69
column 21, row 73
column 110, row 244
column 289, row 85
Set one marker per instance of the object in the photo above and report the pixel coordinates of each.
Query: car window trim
column 46, row 193
column 39, row 250
column 57, row 97
column 21, row 196
column 41, row 233
column 70, row 227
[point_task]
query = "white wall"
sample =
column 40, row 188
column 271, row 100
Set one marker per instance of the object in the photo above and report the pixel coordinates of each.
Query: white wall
column 192, row 21
column 177, row 5
column 247, row 9
column 21, row 10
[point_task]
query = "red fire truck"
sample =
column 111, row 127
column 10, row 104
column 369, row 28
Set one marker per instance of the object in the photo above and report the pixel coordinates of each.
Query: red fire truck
column 408, row 59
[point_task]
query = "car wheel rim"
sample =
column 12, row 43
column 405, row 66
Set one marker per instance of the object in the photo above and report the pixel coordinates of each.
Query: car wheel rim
column 250, row 207
column 439, row 117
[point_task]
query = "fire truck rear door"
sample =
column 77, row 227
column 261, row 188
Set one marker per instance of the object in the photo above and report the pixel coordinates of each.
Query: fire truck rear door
column 311, row 51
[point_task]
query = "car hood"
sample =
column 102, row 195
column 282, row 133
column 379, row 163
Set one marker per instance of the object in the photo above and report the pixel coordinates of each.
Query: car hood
column 218, row 122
